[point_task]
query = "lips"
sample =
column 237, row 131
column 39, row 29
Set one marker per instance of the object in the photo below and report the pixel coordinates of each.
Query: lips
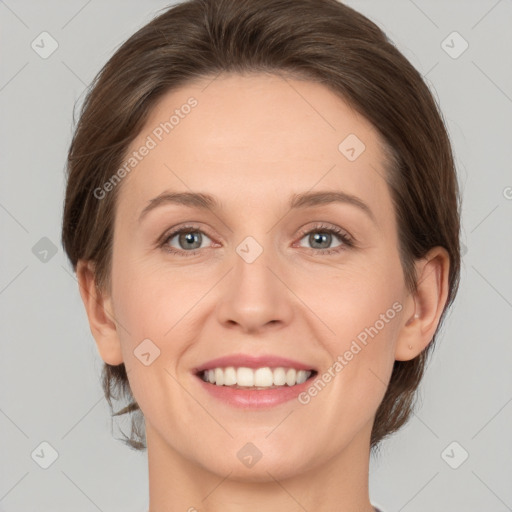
column 254, row 397
column 248, row 361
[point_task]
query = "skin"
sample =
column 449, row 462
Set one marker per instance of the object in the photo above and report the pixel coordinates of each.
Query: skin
column 252, row 141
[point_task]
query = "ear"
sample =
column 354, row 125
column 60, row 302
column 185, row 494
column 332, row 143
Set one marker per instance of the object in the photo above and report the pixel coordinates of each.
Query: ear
column 100, row 313
column 425, row 306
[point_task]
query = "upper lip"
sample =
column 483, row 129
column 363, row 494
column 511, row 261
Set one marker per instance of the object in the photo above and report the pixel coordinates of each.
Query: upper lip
column 248, row 361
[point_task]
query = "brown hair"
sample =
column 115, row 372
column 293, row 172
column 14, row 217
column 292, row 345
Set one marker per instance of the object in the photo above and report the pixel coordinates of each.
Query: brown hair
column 319, row 40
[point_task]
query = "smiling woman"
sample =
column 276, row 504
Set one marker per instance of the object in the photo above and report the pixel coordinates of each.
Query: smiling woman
column 291, row 245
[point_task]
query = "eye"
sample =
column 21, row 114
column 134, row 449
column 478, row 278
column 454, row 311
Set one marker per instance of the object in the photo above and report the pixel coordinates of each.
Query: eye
column 321, row 237
column 188, row 238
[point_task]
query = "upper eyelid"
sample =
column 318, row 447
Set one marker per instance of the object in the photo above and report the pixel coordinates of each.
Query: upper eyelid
column 187, row 228
column 328, row 227
column 319, row 226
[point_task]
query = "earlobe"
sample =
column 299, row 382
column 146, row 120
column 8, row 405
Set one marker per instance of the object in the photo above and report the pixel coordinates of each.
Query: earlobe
column 428, row 303
column 100, row 314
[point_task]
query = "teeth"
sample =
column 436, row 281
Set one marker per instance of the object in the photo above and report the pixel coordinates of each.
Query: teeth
column 229, row 376
column 291, row 377
column 263, row 377
column 279, row 376
column 244, row 377
column 259, row 378
column 302, row 376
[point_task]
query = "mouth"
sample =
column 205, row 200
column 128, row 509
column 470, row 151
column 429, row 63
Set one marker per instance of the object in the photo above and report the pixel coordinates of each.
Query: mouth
column 253, row 382
column 250, row 379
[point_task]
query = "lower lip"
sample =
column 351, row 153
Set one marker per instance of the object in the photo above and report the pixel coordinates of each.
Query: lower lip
column 255, row 398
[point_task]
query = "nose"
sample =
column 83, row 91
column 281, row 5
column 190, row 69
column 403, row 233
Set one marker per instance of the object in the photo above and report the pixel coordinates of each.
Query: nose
column 255, row 296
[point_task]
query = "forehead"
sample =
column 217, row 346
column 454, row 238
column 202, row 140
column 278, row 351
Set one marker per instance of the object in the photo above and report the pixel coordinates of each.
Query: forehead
column 253, row 135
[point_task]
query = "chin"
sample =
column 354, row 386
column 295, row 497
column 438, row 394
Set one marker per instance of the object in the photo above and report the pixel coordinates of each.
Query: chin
column 268, row 468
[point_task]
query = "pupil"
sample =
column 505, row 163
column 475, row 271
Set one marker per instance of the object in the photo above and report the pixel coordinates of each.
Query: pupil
column 190, row 238
column 318, row 238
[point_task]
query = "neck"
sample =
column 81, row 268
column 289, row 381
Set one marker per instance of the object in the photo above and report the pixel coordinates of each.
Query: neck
column 178, row 483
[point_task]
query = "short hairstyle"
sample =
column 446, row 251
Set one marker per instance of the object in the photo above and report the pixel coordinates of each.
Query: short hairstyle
column 317, row 40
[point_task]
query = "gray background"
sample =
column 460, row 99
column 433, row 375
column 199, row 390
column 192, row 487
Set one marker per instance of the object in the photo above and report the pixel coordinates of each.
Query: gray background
column 49, row 366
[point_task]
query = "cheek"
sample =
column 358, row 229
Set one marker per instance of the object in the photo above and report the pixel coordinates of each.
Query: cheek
column 151, row 299
column 353, row 298
column 353, row 382
column 364, row 311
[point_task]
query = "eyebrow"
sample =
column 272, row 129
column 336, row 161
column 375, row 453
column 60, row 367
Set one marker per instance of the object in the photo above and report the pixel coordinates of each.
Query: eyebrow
column 297, row 201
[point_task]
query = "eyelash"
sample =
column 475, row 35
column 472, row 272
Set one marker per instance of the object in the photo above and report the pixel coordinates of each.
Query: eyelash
column 322, row 228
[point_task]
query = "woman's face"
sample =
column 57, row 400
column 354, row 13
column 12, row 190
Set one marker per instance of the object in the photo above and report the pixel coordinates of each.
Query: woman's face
column 256, row 277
